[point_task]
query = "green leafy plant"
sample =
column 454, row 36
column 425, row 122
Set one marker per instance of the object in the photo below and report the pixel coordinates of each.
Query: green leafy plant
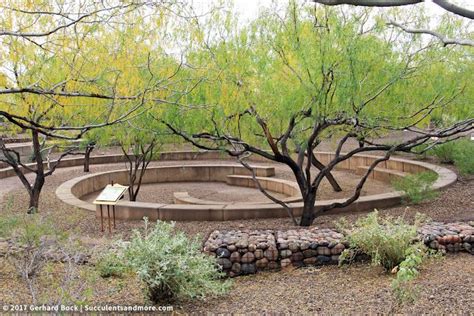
column 402, row 288
column 387, row 241
column 170, row 265
column 463, row 156
column 445, row 152
column 7, row 225
column 111, row 265
column 421, row 151
column 417, row 187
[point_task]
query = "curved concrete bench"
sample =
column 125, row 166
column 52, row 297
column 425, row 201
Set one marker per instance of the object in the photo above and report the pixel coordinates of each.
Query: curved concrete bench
column 178, row 212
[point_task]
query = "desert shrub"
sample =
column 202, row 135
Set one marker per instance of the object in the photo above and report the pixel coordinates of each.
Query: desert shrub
column 387, row 241
column 445, row 152
column 421, row 151
column 7, row 225
column 417, row 187
column 464, row 156
column 111, row 265
column 171, row 265
column 35, row 237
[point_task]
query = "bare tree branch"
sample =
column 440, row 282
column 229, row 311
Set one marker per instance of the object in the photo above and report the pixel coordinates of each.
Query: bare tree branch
column 444, row 40
column 370, row 3
column 448, row 6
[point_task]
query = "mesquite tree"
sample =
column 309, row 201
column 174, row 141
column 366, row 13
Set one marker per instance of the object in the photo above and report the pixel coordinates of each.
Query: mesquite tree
column 140, row 140
column 289, row 82
column 67, row 68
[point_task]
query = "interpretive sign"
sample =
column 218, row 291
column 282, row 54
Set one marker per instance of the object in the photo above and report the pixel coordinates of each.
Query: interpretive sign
column 111, row 194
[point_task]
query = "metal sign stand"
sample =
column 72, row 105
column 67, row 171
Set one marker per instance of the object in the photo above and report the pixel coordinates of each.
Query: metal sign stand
column 109, row 196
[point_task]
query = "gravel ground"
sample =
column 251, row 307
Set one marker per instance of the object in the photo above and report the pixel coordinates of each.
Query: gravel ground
column 445, row 286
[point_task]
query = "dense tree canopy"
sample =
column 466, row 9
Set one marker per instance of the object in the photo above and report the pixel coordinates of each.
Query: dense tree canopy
column 276, row 86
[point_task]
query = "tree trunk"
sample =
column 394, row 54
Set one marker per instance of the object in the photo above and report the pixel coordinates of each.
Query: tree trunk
column 87, row 155
column 335, row 186
column 307, row 217
column 35, row 194
column 35, row 190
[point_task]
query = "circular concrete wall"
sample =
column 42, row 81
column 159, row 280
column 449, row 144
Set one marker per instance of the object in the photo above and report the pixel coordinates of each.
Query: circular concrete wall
column 71, row 191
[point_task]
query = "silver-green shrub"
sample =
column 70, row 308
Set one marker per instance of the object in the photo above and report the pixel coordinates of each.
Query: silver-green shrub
column 171, row 265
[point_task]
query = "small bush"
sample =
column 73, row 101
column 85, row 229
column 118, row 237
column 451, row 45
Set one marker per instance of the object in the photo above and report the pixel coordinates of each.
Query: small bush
column 445, row 152
column 421, row 151
column 111, row 265
column 171, row 265
column 388, row 242
column 7, row 225
column 402, row 288
column 464, row 156
column 417, row 187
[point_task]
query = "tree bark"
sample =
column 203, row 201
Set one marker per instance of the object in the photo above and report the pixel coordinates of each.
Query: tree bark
column 35, row 194
column 89, row 148
column 336, row 187
column 35, row 190
column 307, row 217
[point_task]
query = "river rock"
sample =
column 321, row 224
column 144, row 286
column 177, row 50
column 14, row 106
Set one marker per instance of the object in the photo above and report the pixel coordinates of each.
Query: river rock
column 223, row 253
column 224, row 263
column 323, row 259
column 235, row 257
column 271, row 254
column 248, row 268
column 236, row 267
column 262, row 263
column 310, row 261
column 324, row 251
column 248, row 257
column 297, row 256
column 310, row 253
column 285, row 262
column 258, row 254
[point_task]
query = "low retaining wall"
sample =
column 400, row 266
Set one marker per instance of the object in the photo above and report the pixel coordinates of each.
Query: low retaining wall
column 71, row 191
column 136, row 210
column 240, row 252
column 118, row 158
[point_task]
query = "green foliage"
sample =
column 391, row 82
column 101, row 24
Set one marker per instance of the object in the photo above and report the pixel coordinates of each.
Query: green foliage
column 7, row 225
column 459, row 152
column 387, row 241
column 111, row 265
column 464, row 156
column 445, row 152
column 421, row 151
column 27, row 229
column 417, row 187
column 170, row 265
column 407, row 271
